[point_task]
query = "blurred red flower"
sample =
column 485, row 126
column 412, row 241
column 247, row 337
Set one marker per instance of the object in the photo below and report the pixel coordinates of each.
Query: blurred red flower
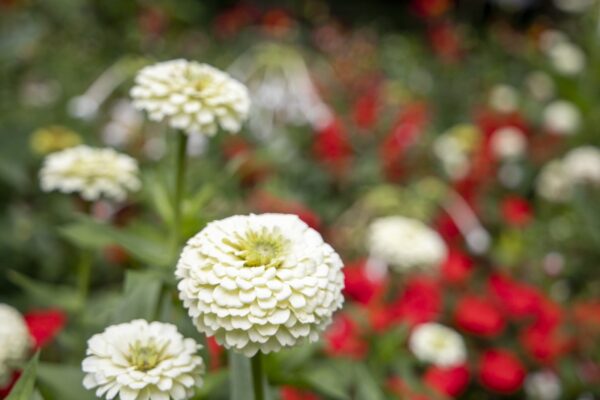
column 332, row 147
column 501, row 371
column 215, row 352
column 447, row 41
column 420, row 301
column 457, row 268
column 250, row 169
column 447, row 381
column 44, row 325
column 364, row 110
column 516, row 211
column 291, row 393
column 479, row 316
column 359, row 286
column 430, row 8
column 343, row 339
column 517, row 299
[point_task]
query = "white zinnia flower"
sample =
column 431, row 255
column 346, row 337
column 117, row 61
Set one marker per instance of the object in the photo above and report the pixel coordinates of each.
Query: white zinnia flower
column 562, row 117
column 582, row 165
column 553, row 183
column 139, row 360
column 504, row 98
column 260, row 282
column 14, row 341
column 196, row 98
column 543, row 385
column 405, row 243
column 437, row 344
column 508, row 142
column 91, row 172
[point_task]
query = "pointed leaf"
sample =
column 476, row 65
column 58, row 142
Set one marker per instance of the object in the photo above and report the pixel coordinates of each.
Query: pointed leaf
column 24, row 388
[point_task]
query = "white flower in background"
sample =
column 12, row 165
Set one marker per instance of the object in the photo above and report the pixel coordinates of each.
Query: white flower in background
column 566, row 57
column 582, row 165
column 504, row 98
column 574, row 6
column 508, row 142
column 405, row 243
column 141, row 360
column 540, row 85
column 91, row 172
column 15, row 341
column 190, row 96
column 543, row 385
column 260, row 282
column 437, row 344
column 553, row 182
column 124, row 125
column 281, row 89
column 562, row 118
column 454, row 148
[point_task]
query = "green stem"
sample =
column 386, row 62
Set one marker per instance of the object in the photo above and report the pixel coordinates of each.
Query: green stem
column 180, row 167
column 258, row 376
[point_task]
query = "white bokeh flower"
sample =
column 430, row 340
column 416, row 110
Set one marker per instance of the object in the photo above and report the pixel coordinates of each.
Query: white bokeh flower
column 540, row 85
column 504, row 98
column 543, row 385
column 508, row 142
column 437, row 344
column 260, row 282
column 454, row 149
column 561, row 117
column 91, row 172
column 142, row 360
column 553, row 183
column 15, row 341
column 405, row 243
column 566, row 57
column 196, row 98
column 582, row 165
column 574, row 6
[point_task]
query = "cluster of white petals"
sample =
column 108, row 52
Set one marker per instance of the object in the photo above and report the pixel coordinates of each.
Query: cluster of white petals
column 260, row 282
column 566, row 57
column 454, row 149
column 142, row 360
column 91, row 172
column 405, row 243
column 196, row 98
column 543, row 385
column 508, row 142
column 561, row 117
column 504, row 98
column 437, row 344
column 15, row 341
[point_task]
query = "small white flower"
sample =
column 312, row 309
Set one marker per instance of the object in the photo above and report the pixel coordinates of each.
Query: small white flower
column 567, row 58
column 508, row 142
column 260, row 282
column 582, row 165
column 453, row 157
column 437, row 344
column 574, row 6
column 504, row 98
column 405, row 243
column 15, row 341
column 91, row 172
column 139, row 360
column 196, row 98
column 124, row 126
column 543, row 385
column 553, row 183
column 540, row 85
column 562, row 118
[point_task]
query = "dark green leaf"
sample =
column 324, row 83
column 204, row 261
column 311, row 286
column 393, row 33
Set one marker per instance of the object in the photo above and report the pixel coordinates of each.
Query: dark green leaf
column 64, row 382
column 24, row 388
column 46, row 294
column 141, row 297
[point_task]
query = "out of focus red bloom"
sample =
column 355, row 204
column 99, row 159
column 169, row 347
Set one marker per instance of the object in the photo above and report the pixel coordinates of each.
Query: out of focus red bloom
column 447, row 381
column 153, row 21
column 250, row 170
column 264, row 202
column 457, row 268
column 332, row 147
column 516, row 211
column 343, row 339
column 446, row 227
column 479, row 316
column 44, row 325
column 587, row 316
column 430, row 8
column 231, row 21
column 365, row 110
column 501, row 371
column 277, row 22
column 517, row 299
column 215, row 352
column 115, row 254
column 5, row 390
column 419, row 302
column 359, row 286
column 291, row 393
column 446, row 41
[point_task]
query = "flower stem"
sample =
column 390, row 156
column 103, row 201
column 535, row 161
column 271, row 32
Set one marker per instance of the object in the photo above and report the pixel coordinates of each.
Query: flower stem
column 258, row 376
column 180, row 167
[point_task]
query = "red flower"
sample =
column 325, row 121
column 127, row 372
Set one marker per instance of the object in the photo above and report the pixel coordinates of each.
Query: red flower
column 447, row 41
column 251, row 170
column 215, row 352
column 457, row 268
column 543, row 344
column 364, row 110
column 343, row 339
column 332, row 147
column 263, row 201
column 44, row 325
column 479, row 316
column 419, row 302
column 5, row 390
column 447, row 381
column 430, row 8
column 291, row 393
column 517, row 299
column 516, row 211
column 501, row 371
column 359, row 286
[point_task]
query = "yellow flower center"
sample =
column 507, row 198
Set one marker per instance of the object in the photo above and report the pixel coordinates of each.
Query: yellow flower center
column 145, row 357
column 260, row 248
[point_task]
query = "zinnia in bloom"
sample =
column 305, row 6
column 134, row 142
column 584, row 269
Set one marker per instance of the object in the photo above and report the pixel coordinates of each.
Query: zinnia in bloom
column 501, row 371
column 142, row 360
column 15, row 341
column 450, row 381
column 193, row 97
column 260, row 282
column 437, row 344
column 405, row 243
column 92, row 173
column 479, row 316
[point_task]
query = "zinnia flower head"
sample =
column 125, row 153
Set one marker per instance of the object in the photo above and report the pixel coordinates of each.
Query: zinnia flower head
column 437, row 344
column 196, row 98
column 142, row 360
column 91, row 172
column 14, row 341
column 260, row 282
column 405, row 243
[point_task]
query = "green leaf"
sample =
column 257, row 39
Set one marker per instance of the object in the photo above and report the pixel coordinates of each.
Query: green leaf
column 331, row 379
column 366, row 385
column 140, row 298
column 64, row 382
column 240, row 376
column 24, row 388
column 46, row 294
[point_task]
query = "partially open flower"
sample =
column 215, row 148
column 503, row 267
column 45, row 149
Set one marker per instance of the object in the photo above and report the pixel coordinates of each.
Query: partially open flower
column 14, row 341
column 93, row 173
column 141, row 360
column 437, row 344
column 260, row 282
column 190, row 96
